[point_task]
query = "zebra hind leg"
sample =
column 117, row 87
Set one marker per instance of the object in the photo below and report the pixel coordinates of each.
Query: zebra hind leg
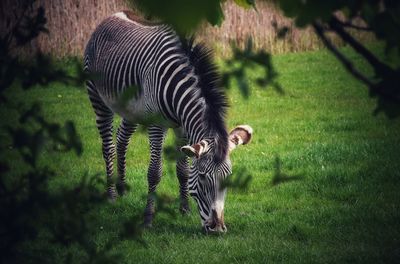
column 156, row 138
column 182, row 171
column 124, row 134
column 104, row 122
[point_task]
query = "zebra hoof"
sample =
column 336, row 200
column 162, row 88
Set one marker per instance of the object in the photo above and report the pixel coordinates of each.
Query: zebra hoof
column 121, row 189
column 185, row 210
column 112, row 194
column 147, row 224
column 148, row 220
column 112, row 199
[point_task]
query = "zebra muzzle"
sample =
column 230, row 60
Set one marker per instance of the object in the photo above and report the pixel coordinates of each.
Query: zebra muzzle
column 215, row 224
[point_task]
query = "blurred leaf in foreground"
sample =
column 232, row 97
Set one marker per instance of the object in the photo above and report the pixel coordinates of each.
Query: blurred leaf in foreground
column 242, row 62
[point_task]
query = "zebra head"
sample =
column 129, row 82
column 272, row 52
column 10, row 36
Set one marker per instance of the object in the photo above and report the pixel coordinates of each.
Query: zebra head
column 208, row 174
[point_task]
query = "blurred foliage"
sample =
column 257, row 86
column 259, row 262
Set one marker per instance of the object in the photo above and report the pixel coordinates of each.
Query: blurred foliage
column 38, row 69
column 245, row 3
column 338, row 16
column 240, row 180
column 379, row 17
column 247, row 60
column 32, row 216
column 128, row 94
column 183, row 15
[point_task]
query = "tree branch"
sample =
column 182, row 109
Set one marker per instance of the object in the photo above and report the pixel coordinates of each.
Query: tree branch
column 379, row 67
column 346, row 62
column 17, row 25
column 348, row 24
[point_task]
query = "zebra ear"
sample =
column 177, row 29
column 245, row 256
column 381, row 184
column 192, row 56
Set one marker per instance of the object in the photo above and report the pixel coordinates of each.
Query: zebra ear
column 195, row 150
column 240, row 135
column 189, row 151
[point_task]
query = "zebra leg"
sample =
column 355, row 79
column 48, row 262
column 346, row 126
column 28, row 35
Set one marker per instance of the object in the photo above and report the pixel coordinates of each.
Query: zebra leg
column 156, row 138
column 124, row 133
column 182, row 171
column 104, row 122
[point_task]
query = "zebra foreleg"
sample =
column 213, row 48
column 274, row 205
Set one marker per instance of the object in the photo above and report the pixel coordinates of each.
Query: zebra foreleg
column 124, row 134
column 156, row 138
column 182, row 171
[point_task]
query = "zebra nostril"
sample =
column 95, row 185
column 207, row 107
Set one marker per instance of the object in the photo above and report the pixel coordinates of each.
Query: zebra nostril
column 224, row 229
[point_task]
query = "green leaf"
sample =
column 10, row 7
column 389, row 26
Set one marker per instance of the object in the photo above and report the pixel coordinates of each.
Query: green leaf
column 128, row 94
column 245, row 3
column 216, row 17
column 290, row 8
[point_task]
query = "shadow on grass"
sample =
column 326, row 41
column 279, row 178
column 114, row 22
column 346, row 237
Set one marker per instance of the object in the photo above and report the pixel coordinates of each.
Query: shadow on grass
column 280, row 177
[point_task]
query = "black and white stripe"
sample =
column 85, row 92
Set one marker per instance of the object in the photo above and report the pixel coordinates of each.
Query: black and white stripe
column 178, row 85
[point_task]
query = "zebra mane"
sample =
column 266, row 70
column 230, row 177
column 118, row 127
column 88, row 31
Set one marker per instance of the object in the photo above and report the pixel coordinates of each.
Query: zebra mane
column 201, row 59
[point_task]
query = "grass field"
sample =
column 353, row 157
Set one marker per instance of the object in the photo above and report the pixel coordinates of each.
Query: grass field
column 335, row 200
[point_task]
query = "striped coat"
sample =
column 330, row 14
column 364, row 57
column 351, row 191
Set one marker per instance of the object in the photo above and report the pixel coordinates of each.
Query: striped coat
column 146, row 74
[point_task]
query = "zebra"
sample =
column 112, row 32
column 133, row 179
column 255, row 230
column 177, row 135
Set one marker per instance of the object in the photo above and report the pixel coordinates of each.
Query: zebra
column 177, row 83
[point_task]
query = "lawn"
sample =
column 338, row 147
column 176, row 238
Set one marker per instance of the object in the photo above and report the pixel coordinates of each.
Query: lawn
column 334, row 198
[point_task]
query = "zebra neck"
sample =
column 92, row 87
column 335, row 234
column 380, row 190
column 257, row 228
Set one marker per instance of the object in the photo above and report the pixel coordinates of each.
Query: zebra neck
column 192, row 120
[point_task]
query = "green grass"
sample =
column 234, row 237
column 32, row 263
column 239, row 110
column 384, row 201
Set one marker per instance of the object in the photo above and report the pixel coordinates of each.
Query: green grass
column 342, row 204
